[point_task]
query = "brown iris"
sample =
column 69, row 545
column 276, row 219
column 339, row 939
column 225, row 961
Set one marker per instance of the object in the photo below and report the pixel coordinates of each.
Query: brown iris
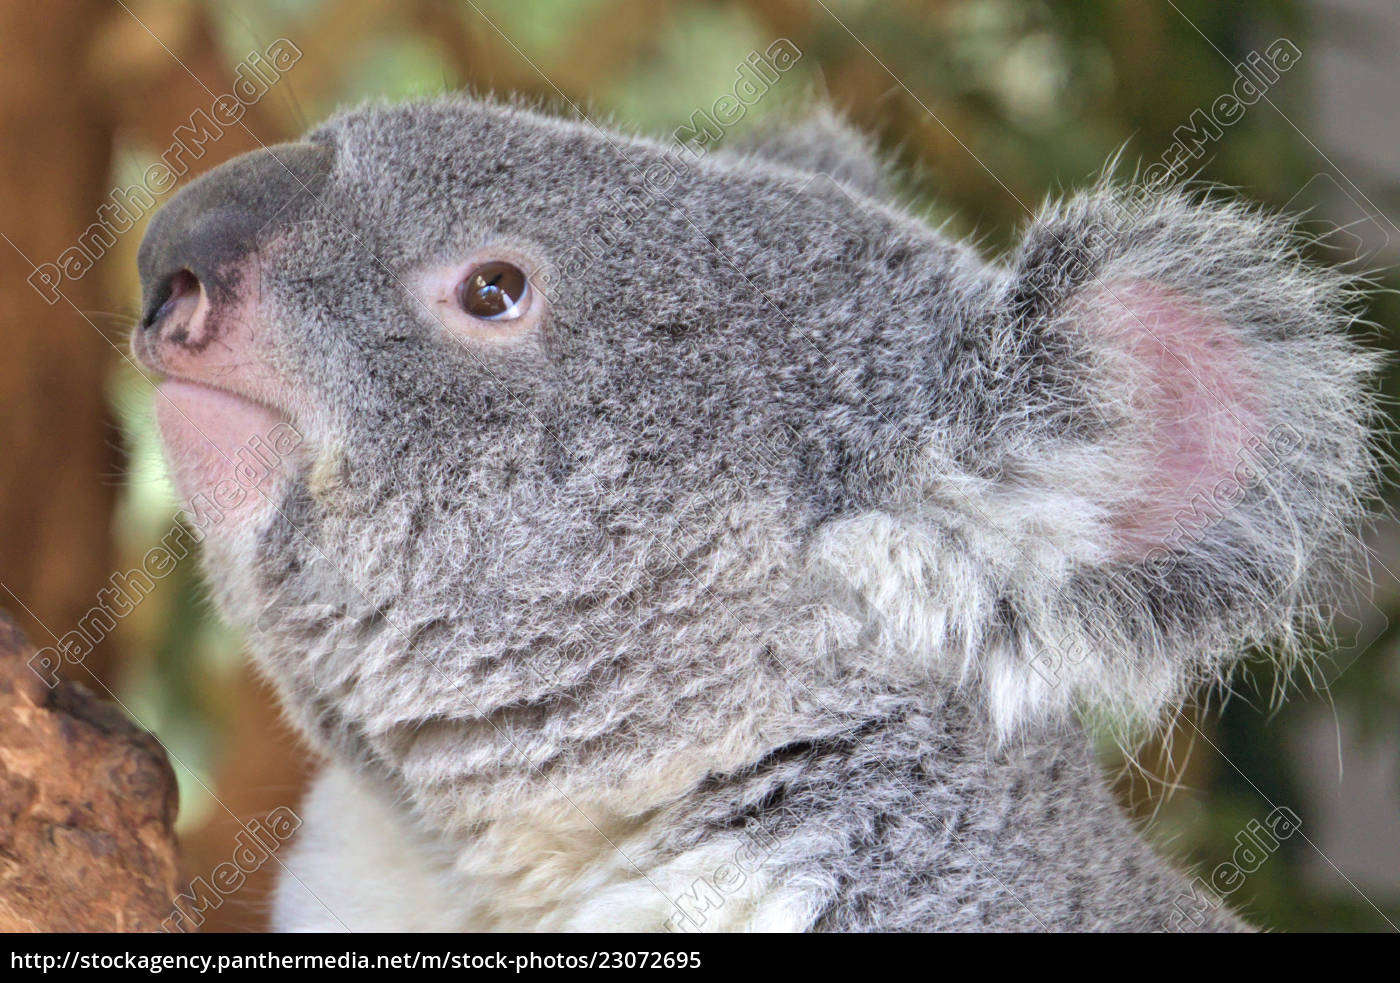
column 494, row 291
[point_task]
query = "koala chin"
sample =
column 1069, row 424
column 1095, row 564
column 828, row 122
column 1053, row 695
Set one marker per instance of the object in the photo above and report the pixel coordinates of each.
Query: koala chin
column 695, row 541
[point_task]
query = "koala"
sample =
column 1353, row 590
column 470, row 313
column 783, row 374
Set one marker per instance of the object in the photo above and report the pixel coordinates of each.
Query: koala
column 699, row 541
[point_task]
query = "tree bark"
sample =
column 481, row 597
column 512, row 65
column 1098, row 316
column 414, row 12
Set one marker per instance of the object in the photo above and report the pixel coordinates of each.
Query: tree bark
column 87, row 808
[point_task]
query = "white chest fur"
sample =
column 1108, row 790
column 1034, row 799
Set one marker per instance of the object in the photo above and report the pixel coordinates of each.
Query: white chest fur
column 357, row 865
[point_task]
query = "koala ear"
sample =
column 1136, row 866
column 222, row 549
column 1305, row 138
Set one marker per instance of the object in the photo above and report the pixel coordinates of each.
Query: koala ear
column 821, row 142
column 1193, row 345
column 1171, row 463
column 1209, row 412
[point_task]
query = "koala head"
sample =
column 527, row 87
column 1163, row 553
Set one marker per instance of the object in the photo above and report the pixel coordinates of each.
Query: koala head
column 620, row 463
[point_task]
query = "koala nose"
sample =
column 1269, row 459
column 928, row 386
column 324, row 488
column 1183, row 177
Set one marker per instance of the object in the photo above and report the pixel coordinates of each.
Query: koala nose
column 194, row 244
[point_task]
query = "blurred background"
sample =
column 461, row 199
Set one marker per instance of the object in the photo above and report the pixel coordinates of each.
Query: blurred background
column 984, row 105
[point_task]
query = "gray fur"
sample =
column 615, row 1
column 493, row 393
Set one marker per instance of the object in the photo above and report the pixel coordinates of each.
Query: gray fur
column 565, row 571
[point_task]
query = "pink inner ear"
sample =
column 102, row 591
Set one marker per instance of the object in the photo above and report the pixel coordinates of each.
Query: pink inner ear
column 1197, row 397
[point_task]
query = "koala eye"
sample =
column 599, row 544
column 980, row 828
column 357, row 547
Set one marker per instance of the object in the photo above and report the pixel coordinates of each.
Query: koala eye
column 495, row 291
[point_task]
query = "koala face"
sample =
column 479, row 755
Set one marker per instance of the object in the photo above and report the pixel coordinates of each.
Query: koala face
column 620, row 464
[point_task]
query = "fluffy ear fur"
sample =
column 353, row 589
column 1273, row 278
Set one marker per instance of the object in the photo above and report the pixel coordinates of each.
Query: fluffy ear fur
column 1173, row 469
column 820, row 142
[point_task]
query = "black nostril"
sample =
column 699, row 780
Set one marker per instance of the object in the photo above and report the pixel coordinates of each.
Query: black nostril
column 178, row 284
column 203, row 233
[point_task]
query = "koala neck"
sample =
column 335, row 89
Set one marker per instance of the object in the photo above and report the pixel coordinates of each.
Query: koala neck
column 616, row 696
